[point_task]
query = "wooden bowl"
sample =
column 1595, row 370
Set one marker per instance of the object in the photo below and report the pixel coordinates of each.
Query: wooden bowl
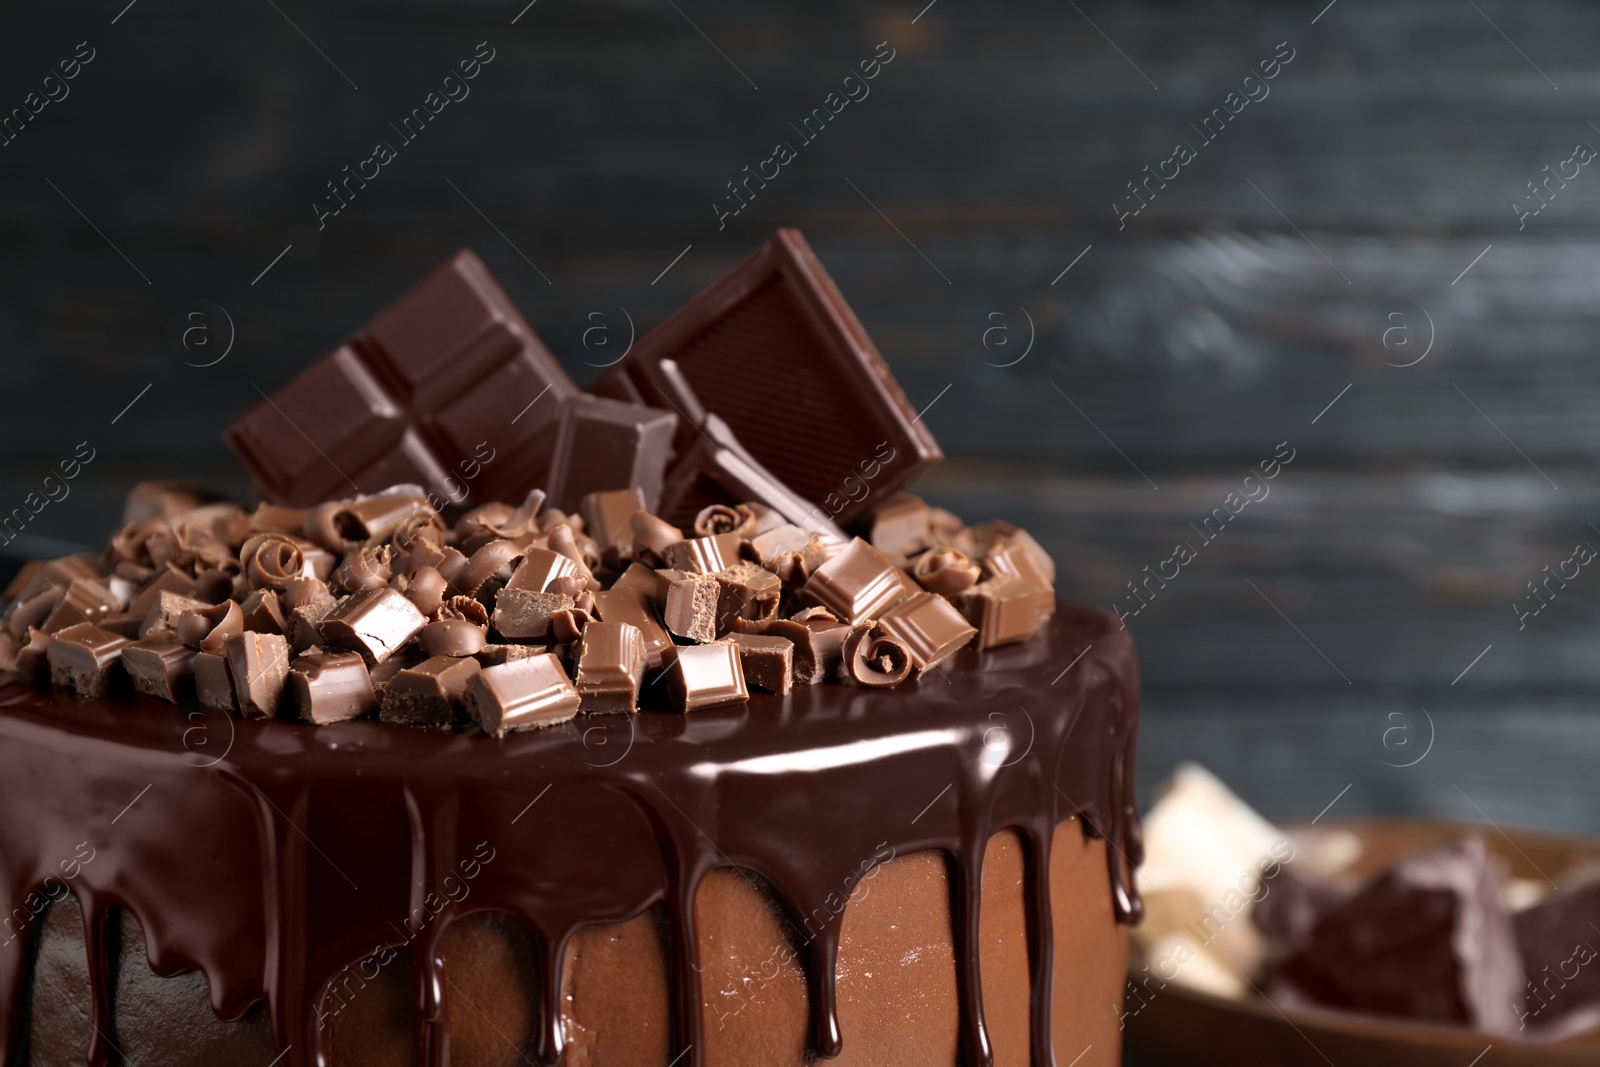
column 1184, row 1028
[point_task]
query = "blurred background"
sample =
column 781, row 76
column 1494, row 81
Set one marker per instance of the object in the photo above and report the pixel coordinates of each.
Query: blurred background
column 1381, row 261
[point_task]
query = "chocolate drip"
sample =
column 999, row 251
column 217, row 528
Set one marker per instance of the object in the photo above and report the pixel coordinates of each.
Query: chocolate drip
column 270, row 864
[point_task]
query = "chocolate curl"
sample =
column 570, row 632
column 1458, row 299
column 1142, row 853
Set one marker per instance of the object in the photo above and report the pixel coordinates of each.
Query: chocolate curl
column 946, row 571
column 375, row 517
column 653, row 533
column 425, row 587
column 493, row 560
column 460, row 627
column 722, row 519
column 207, row 628
column 873, row 658
column 365, row 568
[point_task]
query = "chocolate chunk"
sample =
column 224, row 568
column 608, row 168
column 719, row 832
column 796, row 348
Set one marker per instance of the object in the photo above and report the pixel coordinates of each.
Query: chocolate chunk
column 642, row 580
column 608, row 516
column 900, row 527
column 1557, row 938
column 605, row 444
column 165, row 611
column 521, row 694
column 653, row 534
column 445, row 388
column 1003, row 609
column 946, row 571
column 857, row 584
column 258, row 663
column 121, row 623
column 1293, row 907
column 368, row 518
column 85, row 600
column 324, row 687
column 161, row 666
column 689, row 604
column 703, row 555
column 494, row 655
column 86, row 659
column 432, row 693
column 170, row 579
column 1429, row 941
column 789, row 552
column 207, row 628
column 746, row 591
column 454, row 637
column 705, row 676
column 540, row 567
column 213, row 683
column 1017, row 561
column 929, row 627
column 263, row 613
column 992, row 537
column 873, row 657
column 33, row 657
column 626, row 604
column 373, row 623
column 777, row 319
column 525, row 616
column 425, row 587
column 611, row 664
column 818, row 646
column 767, row 661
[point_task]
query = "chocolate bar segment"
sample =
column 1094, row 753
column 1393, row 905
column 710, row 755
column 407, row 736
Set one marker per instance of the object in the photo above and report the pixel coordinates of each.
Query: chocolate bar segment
column 522, row 694
column 746, row 591
column 161, row 666
column 930, row 628
column 85, row 658
column 213, row 682
column 689, row 604
column 624, row 604
column 1003, row 609
column 779, row 320
column 326, row 687
column 446, row 388
column 611, row 663
column 608, row 516
column 259, row 666
column 857, row 584
column 604, row 444
column 432, row 693
column 374, row 623
column 818, row 646
column 705, row 676
column 767, row 661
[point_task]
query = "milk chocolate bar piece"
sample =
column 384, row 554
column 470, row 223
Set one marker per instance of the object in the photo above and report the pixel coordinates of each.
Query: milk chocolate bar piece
column 85, row 658
column 611, row 663
column 165, row 611
column 525, row 616
column 86, row 600
column 705, row 676
column 767, row 661
column 778, row 319
column 789, row 552
column 642, row 580
column 443, row 389
column 539, row 569
column 746, row 591
column 818, row 646
column 1429, row 941
column 626, row 604
column 930, row 628
column 259, row 665
column 213, row 683
column 169, row 580
column 689, row 605
column 703, row 555
column 522, row 694
column 608, row 516
column 326, row 687
column 263, row 613
column 604, row 444
column 33, row 657
column 433, row 693
column 857, row 584
column 1003, row 609
column 161, row 666
column 374, row 623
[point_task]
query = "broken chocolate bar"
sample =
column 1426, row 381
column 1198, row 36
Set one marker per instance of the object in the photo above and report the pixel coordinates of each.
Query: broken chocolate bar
column 161, row 666
column 818, row 645
column 705, row 676
column 703, row 555
column 1558, row 937
column 326, row 687
column 778, row 319
column 259, row 665
column 1003, row 609
column 746, row 591
column 689, row 604
column 857, row 584
column 603, row 443
column 213, row 682
column 85, row 658
column 374, row 623
column 521, row 694
column 930, row 628
column 624, row 604
column 608, row 516
column 611, row 663
column 767, row 661
column 445, row 388
column 432, row 693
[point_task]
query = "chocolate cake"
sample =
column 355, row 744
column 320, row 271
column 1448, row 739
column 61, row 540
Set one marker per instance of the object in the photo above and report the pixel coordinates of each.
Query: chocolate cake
column 415, row 776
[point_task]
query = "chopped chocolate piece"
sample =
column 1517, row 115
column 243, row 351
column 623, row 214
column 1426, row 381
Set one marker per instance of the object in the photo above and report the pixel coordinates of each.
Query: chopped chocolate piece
column 161, row 666
column 86, row 600
column 273, row 560
column 425, row 587
column 432, row 693
column 767, row 661
column 1557, row 939
column 789, row 552
column 381, row 675
column 929, row 627
column 85, row 658
column 258, row 663
column 611, row 663
column 522, row 694
column 213, row 684
column 604, row 443
column 653, row 533
column 263, row 613
column 1429, row 941
column 703, row 555
column 366, row 568
column 325, row 687
column 705, row 676
column 453, row 637
column 567, row 625
column 746, row 591
column 25, row 614
column 1294, row 906
column 305, row 625
column 818, row 646
column 523, row 615
column 1003, row 609
column 170, row 579
column 777, row 320
column 608, row 516
column 539, row 568
column 626, row 604
column 494, row 655
column 207, row 628
column 373, row 623
column 1014, row 560
column 717, row 519
column 563, row 539
column 33, row 662
column 856, row 585
column 995, row 535
column 449, row 380
column 689, row 604
column 900, row 527
column 642, row 580
column 121, row 622
column 165, row 611
column 946, row 571
column 873, row 657
column 274, row 518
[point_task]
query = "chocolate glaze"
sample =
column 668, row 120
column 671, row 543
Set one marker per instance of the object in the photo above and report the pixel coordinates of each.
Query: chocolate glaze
column 271, row 855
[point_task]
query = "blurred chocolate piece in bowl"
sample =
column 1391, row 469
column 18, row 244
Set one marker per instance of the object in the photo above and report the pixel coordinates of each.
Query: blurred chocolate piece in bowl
column 447, row 388
column 839, row 430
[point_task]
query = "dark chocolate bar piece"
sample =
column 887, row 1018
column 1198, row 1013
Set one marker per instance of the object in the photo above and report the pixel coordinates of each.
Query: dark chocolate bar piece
column 165, row 611
column 447, row 388
column 604, row 444
column 1558, row 938
column 213, row 682
column 259, row 666
column 86, row 600
column 767, row 661
column 522, row 694
column 611, row 663
column 85, row 658
column 432, row 693
column 929, row 626
column 325, row 687
column 705, row 676
column 161, row 666
column 778, row 320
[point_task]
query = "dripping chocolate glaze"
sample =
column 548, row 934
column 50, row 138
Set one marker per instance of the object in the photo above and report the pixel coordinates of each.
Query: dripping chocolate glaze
column 271, row 856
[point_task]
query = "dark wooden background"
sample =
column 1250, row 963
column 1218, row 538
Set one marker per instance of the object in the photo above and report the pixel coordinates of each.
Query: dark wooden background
column 1218, row 323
